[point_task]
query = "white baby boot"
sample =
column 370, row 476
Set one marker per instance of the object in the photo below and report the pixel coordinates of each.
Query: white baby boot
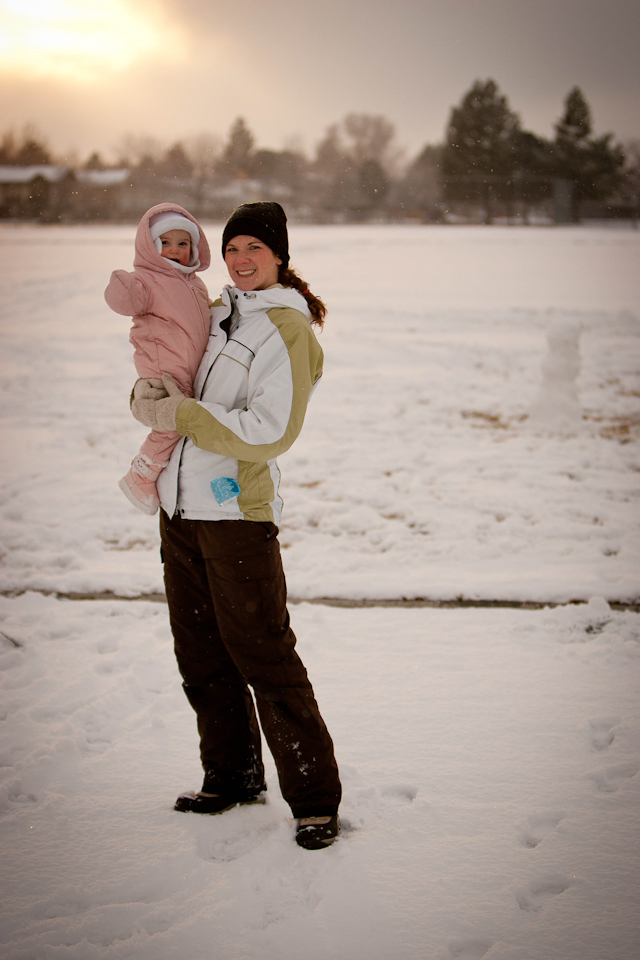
column 139, row 484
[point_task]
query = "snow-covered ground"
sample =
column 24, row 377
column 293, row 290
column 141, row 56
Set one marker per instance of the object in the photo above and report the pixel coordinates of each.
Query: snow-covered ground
column 490, row 758
column 490, row 763
column 416, row 474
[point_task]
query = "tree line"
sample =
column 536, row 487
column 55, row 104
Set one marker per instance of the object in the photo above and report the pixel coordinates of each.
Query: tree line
column 488, row 157
column 487, row 166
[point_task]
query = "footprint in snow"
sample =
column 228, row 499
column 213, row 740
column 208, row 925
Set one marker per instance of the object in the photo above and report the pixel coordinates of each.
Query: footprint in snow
column 536, row 827
column 611, row 778
column 111, row 667
column 468, row 949
column 109, row 645
column 362, row 806
column 536, row 893
column 601, row 734
column 54, row 714
column 96, row 732
column 235, row 834
column 16, row 793
column 593, row 629
column 397, row 794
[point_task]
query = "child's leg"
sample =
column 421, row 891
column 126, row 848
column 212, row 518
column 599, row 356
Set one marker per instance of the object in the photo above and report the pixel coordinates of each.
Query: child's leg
column 158, row 446
column 139, row 484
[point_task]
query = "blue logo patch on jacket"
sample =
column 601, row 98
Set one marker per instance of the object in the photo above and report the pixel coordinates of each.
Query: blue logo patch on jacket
column 224, row 488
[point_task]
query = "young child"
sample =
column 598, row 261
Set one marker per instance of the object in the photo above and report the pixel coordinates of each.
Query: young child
column 170, row 307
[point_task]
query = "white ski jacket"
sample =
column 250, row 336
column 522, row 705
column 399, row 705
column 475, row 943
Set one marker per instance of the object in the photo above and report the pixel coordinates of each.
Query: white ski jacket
column 250, row 399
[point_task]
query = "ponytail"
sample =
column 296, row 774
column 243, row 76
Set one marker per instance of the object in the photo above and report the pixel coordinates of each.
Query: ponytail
column 289, row 278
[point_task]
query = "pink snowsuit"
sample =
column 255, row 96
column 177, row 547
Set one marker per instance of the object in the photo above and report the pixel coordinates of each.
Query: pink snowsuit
column 171, row 318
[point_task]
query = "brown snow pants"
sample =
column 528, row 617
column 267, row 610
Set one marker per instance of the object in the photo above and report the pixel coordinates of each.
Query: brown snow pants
column 227, row 605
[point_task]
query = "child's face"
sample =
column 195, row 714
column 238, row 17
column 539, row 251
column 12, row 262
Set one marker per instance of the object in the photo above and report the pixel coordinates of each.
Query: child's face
column 176, row 245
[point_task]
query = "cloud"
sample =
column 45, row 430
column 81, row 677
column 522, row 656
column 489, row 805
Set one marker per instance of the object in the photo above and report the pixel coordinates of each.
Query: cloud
column 172, row 71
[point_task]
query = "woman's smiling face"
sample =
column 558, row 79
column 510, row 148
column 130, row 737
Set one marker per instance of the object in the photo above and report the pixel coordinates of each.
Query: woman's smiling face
column 252, row 265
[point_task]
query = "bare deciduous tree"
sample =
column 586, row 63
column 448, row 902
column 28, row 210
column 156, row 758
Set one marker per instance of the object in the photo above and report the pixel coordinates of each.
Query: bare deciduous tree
column 134, row 149
column 203, row 150
column 359, row 137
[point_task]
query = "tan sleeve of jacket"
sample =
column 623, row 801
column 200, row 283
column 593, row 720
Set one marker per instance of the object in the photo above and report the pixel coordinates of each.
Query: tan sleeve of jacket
column 304, row 359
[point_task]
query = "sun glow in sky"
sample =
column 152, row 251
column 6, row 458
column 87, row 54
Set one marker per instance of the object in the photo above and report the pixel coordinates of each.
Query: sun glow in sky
column 86, row 72
column 77, row 40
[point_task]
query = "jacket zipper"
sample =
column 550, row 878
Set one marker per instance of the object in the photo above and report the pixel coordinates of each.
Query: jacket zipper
column 193, row 293
column 204, row 383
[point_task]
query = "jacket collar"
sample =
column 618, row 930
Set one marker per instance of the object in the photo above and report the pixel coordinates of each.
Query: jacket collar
column 249, row 302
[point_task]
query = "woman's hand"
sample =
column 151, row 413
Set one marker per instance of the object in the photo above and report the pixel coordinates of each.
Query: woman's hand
column 148, row 388
column 160, row 414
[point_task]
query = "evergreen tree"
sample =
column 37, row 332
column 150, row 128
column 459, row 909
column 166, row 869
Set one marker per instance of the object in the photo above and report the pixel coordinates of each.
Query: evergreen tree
column 374, row 184
column 32, row 151
column 282, row 174
column 94, row 162
column 592, row 164
column 146, row 168
column 175, row 163
column 331, row 153
column 630, row 188
column 574, row 129
column 481, row 145
column 237, row 155
column 533, row 176
column 419, row 192
column 532, row 154
column 283, row 168
column 481, row 133
column 8, row 148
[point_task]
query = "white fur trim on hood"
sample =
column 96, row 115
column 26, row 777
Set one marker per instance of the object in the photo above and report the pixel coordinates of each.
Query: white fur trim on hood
column 172, row 220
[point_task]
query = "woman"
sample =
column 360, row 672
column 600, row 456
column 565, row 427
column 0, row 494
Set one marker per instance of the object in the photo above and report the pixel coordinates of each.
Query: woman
column 220, row 510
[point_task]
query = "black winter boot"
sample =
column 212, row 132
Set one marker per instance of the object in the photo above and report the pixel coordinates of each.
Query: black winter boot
column 314, row 833
column 205, row 802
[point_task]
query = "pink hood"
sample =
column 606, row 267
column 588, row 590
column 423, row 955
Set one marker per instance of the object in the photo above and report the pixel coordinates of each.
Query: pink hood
column 147, row 256
column 170, row 309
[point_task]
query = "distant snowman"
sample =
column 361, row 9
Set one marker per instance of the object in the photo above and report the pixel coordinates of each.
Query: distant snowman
column 556, row 408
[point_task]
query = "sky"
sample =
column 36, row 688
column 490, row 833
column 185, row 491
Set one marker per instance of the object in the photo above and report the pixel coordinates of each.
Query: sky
column 88, row 72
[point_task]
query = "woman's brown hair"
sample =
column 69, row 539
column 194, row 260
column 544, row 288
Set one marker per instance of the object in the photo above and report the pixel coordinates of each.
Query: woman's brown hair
column 289, row 278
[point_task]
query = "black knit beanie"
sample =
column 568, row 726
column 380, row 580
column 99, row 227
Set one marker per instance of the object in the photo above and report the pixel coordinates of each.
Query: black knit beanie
column 264, row 219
